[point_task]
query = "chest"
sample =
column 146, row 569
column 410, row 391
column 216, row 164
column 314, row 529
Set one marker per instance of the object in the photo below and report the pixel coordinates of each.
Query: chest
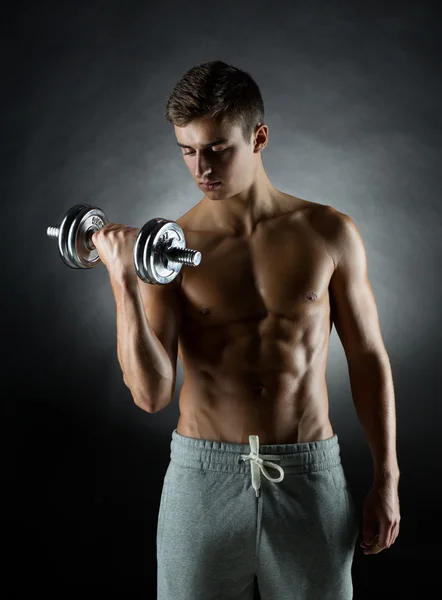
column 283, row 269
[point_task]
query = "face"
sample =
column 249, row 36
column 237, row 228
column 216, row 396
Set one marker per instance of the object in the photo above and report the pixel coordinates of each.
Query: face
column 230, row 160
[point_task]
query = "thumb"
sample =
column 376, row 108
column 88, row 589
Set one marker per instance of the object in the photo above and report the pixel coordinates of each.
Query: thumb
column 368, row 532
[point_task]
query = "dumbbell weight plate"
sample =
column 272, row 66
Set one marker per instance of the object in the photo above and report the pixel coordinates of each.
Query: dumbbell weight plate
column 74, row 239
column 150, row 258
column 64, row 230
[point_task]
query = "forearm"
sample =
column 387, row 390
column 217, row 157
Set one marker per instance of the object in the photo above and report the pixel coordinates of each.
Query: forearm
column 373, row 396
column 146, row 367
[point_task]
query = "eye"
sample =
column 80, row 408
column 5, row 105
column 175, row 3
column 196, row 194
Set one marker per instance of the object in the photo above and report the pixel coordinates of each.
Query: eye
column 214, row 151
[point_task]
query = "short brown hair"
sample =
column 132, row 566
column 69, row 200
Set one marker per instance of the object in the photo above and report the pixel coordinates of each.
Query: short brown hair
column 217, row 90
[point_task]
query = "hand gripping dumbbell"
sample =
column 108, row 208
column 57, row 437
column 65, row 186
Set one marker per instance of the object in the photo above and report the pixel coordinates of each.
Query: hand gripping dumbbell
column 159, row 251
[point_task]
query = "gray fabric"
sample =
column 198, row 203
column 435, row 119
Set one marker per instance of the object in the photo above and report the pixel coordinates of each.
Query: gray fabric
column 216, row 531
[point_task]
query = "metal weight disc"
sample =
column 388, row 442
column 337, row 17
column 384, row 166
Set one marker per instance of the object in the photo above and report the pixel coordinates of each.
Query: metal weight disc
column 150, row 258
column 75, row 231
column 64, row 232
column 85, row 223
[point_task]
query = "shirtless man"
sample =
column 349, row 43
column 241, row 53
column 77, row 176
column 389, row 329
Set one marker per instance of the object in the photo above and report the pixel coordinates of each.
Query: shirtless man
column 255, row 486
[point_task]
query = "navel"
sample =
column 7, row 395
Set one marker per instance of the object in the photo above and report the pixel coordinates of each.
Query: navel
column 205, row 311
column 258, row 389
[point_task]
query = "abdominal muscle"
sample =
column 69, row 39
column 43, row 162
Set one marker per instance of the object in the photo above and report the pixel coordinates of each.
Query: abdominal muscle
column 278, row 392
column 255, row 331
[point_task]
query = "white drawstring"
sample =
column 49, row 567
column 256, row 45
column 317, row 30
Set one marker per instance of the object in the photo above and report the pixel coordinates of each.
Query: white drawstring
column 257, row 464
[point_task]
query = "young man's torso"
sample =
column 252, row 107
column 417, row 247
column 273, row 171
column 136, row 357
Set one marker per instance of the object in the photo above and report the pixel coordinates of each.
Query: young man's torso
column 256, row 326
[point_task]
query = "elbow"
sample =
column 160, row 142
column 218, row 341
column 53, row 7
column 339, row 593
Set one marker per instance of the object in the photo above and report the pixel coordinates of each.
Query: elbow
column 147, row 405
column 163, row 398
column 144, row 405
column 367, row 360
column 140, row 401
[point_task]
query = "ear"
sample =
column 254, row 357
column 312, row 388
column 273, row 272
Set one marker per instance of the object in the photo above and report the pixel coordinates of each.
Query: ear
column 262, row 137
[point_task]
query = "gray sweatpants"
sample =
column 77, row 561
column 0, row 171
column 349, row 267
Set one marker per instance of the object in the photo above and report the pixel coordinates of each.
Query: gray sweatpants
column 281, row 512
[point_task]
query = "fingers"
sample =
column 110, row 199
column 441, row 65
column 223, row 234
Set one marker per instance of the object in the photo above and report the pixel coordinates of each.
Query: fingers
column 377, row 545
column 384, row 533
column 394, row 534
column 368, row 533
column 373, row 548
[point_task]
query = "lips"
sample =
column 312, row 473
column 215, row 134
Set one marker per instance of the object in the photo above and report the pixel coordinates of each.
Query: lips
column 211, row 186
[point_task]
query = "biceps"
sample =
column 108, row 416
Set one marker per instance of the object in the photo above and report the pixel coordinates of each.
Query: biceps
column 356, row 317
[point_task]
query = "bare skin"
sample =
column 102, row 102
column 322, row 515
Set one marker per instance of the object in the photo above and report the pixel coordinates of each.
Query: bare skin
column 256, row 324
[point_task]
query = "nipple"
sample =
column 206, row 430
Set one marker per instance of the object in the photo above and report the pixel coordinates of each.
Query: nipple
column 311, row 296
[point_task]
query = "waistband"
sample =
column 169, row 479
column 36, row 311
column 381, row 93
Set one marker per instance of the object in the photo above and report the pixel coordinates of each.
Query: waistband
column 212, row 455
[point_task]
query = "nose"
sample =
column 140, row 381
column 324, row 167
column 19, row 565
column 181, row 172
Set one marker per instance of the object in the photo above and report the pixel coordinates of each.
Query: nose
column 202, row 166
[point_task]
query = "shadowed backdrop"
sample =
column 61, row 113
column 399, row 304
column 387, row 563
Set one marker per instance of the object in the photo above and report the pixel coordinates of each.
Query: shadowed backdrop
column 352, row 96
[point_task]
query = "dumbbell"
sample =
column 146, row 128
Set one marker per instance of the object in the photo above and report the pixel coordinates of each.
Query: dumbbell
column 159, row 251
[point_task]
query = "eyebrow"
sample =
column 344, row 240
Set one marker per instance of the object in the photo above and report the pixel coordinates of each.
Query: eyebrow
column 215, row 143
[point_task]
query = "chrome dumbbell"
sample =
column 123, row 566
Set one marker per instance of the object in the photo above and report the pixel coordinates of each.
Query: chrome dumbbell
column 159, row 251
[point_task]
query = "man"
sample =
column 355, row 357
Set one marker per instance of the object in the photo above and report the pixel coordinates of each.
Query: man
column 255, row 486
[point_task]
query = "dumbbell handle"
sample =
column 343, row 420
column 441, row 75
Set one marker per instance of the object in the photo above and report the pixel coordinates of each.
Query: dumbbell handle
column 184, row 256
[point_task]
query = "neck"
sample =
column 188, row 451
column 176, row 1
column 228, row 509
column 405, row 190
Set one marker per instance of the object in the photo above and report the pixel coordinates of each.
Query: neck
column 239, row 214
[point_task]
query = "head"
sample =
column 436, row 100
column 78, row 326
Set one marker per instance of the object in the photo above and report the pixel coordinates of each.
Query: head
column 216, row 102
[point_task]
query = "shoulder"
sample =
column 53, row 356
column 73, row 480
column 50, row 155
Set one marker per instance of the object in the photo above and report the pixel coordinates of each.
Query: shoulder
column 331, row 221
column 190, row 221
column 184, row 219
column 338, row 229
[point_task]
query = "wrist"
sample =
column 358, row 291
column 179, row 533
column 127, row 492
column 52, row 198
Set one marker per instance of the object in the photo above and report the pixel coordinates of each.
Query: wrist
column 390, row 477
column 124, row 279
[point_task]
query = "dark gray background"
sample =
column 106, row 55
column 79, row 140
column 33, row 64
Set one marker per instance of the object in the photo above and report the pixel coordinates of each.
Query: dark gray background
column 352, row 93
